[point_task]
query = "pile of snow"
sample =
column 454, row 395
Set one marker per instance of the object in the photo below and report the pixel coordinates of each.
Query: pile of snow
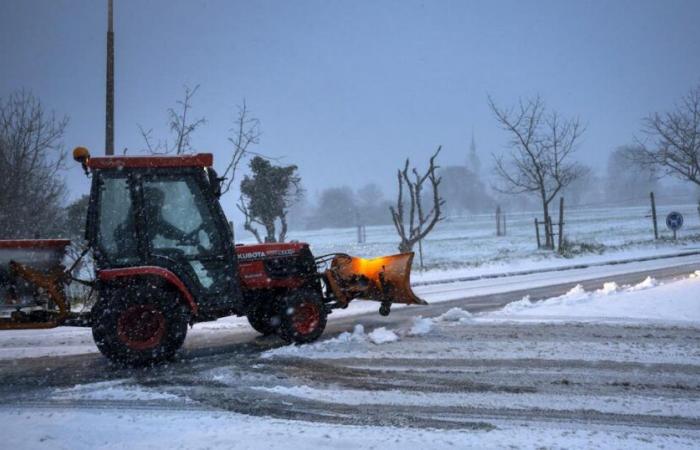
column 677, row 302
column 356, row 340
column 420, row 326
column 454, row 315
column 382, row 336
column 648, row 282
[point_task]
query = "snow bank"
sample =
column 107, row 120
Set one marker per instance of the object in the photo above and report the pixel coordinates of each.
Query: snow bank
column 677, row 302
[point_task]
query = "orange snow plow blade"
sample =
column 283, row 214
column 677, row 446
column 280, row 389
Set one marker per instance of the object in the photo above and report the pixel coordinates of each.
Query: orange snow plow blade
column 386, row 279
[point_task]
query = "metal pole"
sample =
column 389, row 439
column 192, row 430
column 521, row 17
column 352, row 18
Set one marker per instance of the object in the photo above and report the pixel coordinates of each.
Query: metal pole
column 561, row 222
column 653, row 215
column 109, row 103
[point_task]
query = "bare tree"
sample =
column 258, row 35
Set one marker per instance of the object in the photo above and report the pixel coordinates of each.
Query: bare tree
column 418, row 223
column 181, row 126
column 541, row 148
column 675, row 140
column 246, row 132
column 31, row 155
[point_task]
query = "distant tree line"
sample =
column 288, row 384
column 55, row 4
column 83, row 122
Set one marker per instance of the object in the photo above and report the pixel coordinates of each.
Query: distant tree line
column 540, row 161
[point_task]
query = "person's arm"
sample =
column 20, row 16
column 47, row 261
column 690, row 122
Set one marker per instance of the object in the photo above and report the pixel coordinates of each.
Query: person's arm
column 169, row 231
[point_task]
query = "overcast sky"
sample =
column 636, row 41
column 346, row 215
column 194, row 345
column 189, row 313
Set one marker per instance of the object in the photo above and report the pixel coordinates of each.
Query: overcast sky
column 346, row 90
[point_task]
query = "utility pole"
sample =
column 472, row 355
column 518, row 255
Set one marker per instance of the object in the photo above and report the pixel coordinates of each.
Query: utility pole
column 109, row 119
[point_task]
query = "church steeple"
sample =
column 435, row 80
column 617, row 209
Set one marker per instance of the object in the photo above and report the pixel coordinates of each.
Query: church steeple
column 474, row 162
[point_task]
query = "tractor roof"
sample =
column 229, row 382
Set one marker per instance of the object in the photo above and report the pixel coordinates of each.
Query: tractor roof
column 151, row 162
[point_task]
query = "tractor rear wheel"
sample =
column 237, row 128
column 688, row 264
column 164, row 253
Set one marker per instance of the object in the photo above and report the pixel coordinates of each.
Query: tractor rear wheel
column 139, row 324
column 302, row 316
column 264, row 317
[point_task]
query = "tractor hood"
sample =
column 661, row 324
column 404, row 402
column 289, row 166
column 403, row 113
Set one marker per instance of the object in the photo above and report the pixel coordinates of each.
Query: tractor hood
column 255, row 252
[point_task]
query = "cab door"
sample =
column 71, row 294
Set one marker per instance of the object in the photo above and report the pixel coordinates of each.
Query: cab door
column 184, row 228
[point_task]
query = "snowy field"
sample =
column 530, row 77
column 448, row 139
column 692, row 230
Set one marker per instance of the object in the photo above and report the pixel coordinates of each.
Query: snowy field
column 471, row 241
column 612, row 367
column 616, row 367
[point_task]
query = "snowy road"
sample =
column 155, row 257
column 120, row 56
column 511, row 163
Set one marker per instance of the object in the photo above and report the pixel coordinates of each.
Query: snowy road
column 490, row 380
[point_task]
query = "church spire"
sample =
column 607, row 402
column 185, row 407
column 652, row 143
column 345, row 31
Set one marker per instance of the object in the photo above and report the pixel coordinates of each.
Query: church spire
column 474, row 162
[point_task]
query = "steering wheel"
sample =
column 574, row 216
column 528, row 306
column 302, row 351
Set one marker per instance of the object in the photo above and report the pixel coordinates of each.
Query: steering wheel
column 191, row 237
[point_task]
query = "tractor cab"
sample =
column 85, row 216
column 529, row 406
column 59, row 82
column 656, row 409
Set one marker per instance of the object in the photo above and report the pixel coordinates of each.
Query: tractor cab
column 160, row 217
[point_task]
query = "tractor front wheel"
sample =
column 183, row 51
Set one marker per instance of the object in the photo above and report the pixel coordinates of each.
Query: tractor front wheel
column 264, row 317
column 139, row 324
column 302, row 316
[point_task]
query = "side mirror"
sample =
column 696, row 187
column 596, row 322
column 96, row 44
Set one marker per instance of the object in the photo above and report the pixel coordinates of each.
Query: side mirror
column 82, row 155
column 214, row 182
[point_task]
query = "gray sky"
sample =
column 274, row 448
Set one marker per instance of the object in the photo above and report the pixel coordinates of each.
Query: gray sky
column 346, row 90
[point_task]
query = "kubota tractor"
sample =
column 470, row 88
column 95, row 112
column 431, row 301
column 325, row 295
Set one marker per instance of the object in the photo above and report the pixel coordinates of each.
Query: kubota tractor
column 165, row 259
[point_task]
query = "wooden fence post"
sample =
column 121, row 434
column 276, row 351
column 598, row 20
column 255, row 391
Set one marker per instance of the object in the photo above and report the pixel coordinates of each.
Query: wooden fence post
column 498, row 220
column 653, row 215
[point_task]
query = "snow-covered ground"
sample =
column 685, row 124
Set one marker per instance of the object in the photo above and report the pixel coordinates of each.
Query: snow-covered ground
column 675, row 303
column 83, row 429
column 616, row 367
column 471, row 241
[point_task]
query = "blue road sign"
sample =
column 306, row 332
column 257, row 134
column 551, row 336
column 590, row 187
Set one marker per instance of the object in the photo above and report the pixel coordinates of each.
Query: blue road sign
column 674, row 221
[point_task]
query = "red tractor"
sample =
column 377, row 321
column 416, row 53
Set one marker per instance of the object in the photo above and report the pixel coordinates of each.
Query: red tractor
column 165, row 259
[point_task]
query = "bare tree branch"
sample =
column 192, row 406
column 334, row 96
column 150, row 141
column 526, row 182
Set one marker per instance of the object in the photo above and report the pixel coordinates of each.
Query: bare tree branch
column 180, row 125
column 419, row 223
column 246, row 132
column 674, row 137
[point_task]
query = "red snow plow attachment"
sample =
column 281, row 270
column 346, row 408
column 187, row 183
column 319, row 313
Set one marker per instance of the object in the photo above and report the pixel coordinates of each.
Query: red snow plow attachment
column 386, row 279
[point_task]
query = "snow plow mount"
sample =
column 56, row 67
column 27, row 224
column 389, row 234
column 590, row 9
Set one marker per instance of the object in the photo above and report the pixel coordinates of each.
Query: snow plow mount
column 386, row 279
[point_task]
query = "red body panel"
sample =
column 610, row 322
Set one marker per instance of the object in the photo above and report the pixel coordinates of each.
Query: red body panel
column 251, row 265
column 112, row 274
column 145, row 162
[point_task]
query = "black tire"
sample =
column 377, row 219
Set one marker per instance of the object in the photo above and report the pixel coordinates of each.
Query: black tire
column 302, row 316
column 139, row 323
column 264, row 317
